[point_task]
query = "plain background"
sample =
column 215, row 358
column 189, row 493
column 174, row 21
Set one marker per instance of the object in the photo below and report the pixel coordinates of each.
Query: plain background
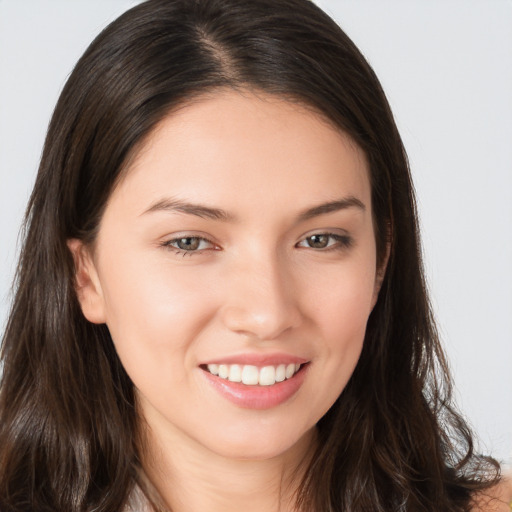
column 446, row 66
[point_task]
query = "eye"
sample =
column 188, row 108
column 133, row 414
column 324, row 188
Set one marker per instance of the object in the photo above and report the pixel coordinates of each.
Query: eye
column 325, row 241
column 189, row 244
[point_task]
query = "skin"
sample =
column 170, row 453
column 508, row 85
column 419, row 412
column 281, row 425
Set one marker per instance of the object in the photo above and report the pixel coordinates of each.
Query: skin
column 497, row 499
column 256, row 286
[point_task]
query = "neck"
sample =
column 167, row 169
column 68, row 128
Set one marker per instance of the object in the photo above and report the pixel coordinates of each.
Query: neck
column 191, row 478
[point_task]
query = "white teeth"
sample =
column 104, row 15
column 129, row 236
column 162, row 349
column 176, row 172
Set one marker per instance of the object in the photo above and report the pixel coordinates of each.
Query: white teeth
column 290, row 370
column 223, row 371
column 267, row 376
column 213, row 369
column 281, row 373
column 252, row 375
column 235, row 373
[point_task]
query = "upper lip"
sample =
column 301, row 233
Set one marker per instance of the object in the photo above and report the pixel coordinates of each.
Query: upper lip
column 259, row 360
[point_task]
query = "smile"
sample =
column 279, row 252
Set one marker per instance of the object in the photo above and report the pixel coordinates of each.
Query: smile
column 251, row 375
column 260, row 385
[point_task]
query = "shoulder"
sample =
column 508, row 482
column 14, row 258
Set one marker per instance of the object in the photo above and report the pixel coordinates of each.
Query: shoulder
column 137, row 502
column 497, row 499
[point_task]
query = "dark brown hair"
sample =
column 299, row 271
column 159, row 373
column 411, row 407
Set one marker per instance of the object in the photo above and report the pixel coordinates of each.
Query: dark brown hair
column 68, row 424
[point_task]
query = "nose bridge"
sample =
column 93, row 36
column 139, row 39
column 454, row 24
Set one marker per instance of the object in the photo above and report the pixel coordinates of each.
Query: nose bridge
column 260, row 297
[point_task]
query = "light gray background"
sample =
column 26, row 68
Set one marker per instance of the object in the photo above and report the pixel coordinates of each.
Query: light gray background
column 446, row 66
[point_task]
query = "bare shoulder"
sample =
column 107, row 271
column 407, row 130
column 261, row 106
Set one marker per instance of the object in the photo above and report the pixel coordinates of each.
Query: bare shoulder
column 497, row 499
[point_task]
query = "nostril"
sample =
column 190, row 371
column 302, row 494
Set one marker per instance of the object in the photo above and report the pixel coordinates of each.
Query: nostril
column 263, row 322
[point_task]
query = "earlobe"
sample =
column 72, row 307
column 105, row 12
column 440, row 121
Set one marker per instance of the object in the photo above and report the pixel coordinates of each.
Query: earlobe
column 87, row 283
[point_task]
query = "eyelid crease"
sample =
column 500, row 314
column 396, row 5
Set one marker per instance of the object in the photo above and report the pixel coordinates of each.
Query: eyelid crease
column 167, row 244
column 343, row 241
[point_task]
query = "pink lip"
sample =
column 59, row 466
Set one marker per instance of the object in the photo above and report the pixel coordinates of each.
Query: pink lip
column 258, row 359
column 257, row 397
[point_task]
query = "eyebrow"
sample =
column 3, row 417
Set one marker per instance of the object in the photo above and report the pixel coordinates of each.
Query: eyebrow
column 331, row 207
column 208, row 212
column 199, row 210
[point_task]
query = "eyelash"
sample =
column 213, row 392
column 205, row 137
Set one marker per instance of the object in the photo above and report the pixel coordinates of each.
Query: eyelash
column 341, row 242
column 183, row 252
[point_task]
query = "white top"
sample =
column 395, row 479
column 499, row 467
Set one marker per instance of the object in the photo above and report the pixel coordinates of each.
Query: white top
column 137, row 502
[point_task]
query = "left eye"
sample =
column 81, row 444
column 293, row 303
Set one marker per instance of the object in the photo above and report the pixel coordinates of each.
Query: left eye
column 189, row 244
column 324, row 241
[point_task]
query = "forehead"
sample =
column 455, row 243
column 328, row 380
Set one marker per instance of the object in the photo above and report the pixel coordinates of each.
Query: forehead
column 237, row 144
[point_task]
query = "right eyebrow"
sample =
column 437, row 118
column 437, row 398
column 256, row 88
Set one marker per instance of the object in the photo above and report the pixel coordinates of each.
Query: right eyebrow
column 199, row 210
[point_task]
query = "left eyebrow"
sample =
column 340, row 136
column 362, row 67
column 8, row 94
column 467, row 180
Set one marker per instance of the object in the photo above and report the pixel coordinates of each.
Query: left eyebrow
column 330, row 207
column 208, row 212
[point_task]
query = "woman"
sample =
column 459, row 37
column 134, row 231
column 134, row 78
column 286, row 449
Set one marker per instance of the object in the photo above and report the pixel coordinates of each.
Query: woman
column 220, row 299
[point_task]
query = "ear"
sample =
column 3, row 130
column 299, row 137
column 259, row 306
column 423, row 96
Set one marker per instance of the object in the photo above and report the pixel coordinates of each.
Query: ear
column 87, row 283
column 381, row 271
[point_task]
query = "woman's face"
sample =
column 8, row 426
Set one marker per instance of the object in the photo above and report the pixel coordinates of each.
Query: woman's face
column 238, row 246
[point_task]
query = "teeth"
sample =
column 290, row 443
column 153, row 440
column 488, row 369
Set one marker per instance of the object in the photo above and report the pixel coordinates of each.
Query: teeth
column 223, row 371
column 252, row 375
column 213, row 369
column 267, row 376
column 235, row 373
column 281, row 373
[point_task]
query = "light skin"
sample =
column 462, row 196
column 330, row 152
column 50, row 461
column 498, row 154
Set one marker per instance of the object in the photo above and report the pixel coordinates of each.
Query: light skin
column 497, row 499
column 278, row 260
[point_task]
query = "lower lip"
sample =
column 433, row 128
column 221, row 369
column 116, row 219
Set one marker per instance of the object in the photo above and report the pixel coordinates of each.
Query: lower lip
column 257, row 397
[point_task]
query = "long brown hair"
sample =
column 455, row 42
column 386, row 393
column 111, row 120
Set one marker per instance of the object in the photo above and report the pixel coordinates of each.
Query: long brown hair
column 68, row 423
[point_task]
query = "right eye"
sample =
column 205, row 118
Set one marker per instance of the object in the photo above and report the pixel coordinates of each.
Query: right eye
column 188, row 244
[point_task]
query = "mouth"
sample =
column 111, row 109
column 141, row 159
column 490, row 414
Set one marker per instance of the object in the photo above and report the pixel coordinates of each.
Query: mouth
column 256, row 386
column 252, row 375
column 252, row 381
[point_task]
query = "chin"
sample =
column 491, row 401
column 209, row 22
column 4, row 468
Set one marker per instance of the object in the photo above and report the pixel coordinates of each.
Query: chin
column 263, row 445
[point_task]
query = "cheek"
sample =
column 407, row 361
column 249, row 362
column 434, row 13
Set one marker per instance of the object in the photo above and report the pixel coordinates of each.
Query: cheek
column 342, row 297
column 344, row 315
column 153, row 316
column 341, row 314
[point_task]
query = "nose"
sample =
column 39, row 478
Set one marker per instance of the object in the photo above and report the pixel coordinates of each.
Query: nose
column 261, row 300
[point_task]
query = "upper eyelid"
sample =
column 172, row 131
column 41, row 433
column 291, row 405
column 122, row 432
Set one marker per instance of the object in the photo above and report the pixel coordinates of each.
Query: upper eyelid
column 168, row 244
column 341, row 241
column 335, row 233
column 329, row 231
column 188, row 234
